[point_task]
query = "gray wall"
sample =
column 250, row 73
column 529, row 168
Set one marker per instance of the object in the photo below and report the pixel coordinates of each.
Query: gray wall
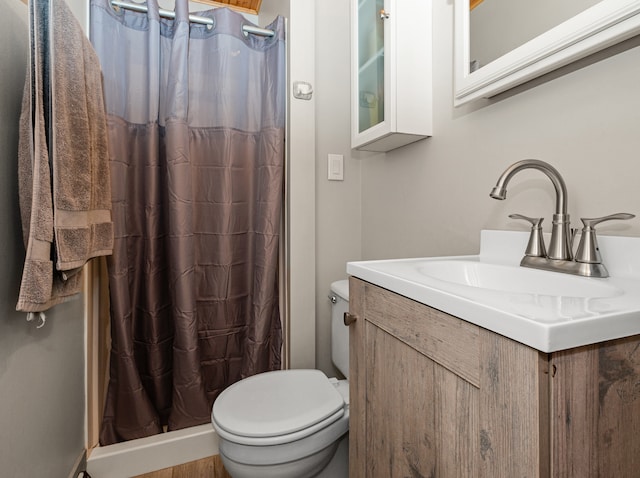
column 338, row 206
column 432, row 198
column 41, row 370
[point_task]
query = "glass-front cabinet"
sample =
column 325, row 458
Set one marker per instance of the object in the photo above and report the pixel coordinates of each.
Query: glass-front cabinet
column 391, row 73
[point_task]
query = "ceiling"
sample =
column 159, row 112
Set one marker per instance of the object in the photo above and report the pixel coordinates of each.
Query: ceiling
column 250, row 6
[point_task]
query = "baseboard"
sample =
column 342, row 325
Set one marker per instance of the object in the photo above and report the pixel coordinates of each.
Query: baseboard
column 154, row 453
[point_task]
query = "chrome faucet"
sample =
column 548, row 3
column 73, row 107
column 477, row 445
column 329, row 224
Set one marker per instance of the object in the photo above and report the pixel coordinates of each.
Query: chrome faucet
column 560, row 245
column 559, row 256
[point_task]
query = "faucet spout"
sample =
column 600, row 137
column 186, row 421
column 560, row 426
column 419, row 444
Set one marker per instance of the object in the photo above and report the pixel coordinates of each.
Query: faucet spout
column 560, row 247
column 500, row 189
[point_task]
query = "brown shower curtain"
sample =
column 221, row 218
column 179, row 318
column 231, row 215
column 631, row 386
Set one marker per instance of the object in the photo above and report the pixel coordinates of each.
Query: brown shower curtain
column 196, row 124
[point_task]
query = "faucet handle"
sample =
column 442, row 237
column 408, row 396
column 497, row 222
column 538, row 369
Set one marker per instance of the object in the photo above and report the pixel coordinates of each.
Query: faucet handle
column 535, row 247
column 588, row 250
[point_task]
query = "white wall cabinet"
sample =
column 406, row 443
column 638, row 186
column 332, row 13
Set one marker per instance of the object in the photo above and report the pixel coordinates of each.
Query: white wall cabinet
column 391, row 57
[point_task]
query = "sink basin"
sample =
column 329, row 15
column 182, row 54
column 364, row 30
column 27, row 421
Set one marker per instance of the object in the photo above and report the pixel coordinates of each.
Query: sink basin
column 548, row 311
column 516, row 279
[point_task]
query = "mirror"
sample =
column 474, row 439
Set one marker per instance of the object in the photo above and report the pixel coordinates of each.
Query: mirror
column 498, row 26
column 513, row 53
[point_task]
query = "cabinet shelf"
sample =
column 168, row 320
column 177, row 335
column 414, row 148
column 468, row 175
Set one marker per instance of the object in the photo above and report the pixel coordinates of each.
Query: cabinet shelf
column 371, row 61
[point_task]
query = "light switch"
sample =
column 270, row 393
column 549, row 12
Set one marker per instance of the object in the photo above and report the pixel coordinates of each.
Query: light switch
column 335, row 165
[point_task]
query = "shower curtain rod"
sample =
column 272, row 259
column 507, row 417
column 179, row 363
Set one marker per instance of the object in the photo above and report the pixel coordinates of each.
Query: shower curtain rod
column 194, row 18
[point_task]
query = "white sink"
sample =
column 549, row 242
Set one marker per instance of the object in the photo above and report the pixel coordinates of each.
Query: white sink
column 514, row 279
column 549, row 311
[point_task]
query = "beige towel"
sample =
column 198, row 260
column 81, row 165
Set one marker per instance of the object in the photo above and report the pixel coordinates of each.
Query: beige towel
column 65, row 190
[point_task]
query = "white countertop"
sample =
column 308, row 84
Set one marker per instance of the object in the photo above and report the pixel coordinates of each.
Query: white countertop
column 544, row 321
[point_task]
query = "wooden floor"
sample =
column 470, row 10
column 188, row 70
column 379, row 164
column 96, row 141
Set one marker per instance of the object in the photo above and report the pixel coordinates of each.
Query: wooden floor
column 206, row 468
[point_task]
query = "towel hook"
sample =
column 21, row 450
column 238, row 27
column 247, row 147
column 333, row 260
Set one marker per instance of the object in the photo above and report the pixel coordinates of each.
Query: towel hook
column 41, row 316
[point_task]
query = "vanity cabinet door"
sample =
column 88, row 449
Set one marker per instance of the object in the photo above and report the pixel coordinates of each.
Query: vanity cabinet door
column 595, row 410
column 432, row 395
column 420, row 416
column 391, row 73
column 410, row 414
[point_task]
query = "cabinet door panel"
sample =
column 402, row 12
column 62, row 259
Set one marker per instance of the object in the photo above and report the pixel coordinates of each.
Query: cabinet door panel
column 449, row 341
column 457, row 428
column 401, row 439
column 514, row 409
column 596, row 410
column 422, row 420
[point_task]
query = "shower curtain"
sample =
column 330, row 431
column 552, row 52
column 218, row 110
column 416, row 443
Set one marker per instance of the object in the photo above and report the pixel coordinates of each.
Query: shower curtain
column 196, row 119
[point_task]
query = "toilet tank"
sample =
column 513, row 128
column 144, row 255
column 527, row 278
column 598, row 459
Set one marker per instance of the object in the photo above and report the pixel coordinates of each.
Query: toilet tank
column 339, row 297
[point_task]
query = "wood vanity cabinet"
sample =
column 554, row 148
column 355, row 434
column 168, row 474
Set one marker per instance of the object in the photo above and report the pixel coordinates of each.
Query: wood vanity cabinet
column 435, row 396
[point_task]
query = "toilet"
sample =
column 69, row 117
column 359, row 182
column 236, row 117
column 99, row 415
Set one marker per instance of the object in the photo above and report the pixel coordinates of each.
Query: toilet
column 290, row 423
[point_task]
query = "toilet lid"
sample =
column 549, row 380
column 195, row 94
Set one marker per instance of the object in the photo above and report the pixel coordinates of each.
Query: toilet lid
column 277, row 403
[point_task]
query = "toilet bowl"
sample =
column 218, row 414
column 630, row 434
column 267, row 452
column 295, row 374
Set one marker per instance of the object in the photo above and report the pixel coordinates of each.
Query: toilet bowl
column 289, row 423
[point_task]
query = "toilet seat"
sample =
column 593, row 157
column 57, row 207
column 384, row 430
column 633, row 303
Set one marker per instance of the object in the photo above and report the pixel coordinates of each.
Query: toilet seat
column 279, row 439
column 278, row 407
